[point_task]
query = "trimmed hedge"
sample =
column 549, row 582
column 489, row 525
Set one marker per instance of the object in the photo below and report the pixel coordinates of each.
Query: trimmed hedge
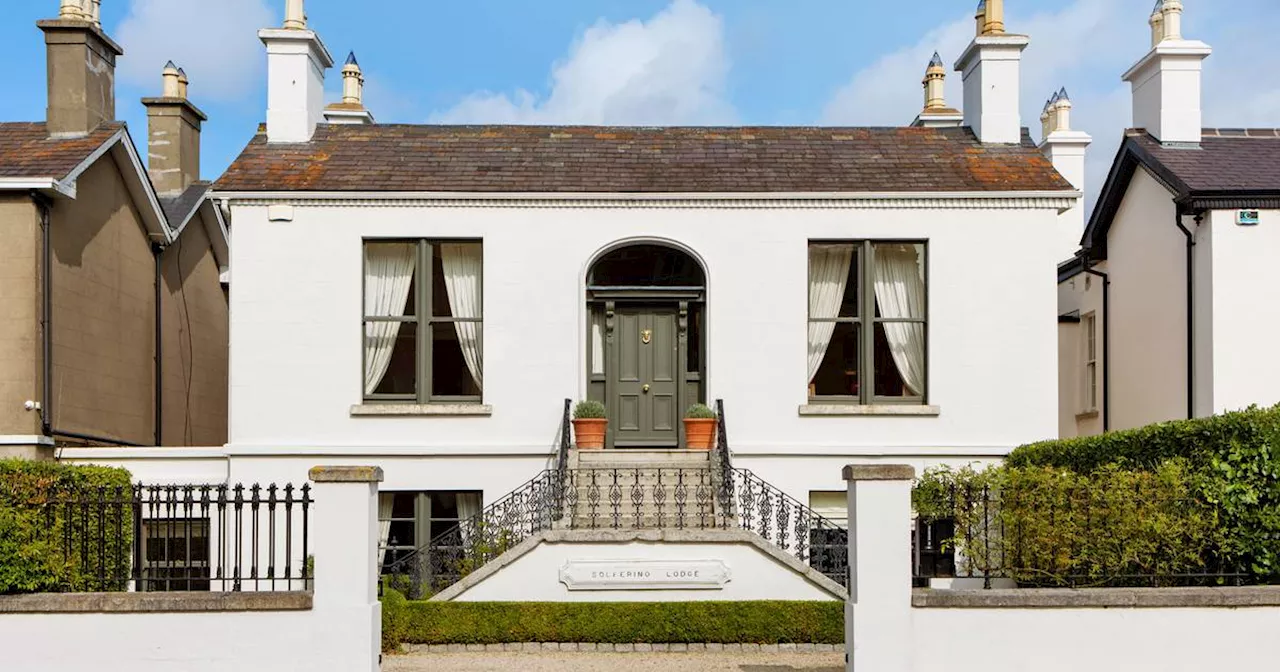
column 1228, row 473
column 1251, row 436
column 609, row 622
column 36, row 552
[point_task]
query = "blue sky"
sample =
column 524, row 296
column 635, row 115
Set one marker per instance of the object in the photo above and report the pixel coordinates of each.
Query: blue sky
column 846, row 62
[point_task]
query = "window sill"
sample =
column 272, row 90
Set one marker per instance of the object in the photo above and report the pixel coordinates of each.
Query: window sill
column 420, row 410
column 1086, row 415
column 883, row 410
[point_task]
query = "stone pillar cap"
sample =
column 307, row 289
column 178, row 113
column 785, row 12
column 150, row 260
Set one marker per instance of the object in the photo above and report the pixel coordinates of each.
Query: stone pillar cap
column 879, row 472
column 346, row 474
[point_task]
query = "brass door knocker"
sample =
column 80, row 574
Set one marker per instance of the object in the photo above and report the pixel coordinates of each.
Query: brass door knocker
column 646, row 336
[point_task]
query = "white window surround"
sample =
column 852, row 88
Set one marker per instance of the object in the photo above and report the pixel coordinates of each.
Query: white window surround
column 883, row 410
column 420, row 410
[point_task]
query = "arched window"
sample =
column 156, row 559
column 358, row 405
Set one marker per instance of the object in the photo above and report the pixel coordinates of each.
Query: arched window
column 647, row 265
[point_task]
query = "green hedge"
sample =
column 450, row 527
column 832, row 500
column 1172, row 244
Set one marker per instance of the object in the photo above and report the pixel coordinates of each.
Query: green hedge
column 36, row 552
column 1235, row 458
column 1251, row 436
column 1043, row 526
column 610, row 622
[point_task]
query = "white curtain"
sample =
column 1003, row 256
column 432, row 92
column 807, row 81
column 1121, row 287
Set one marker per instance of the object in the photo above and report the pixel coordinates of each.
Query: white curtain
column 468, row 508
column 385, row 500
column 388, row 276
column 900, row 290
column 461, row 263
column 828, row 275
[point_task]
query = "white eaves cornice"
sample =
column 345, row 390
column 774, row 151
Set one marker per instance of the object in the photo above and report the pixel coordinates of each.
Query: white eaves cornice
column 1022, row 200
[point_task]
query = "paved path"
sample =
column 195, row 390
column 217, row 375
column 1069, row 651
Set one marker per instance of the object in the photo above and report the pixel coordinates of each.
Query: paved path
column 612, row 662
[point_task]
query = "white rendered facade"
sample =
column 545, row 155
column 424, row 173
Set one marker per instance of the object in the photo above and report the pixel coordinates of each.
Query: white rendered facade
column 296, row 333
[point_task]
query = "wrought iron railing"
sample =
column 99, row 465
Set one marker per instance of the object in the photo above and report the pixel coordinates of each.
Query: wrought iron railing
column 716, row 496
column 526, row 511
column 168, row 538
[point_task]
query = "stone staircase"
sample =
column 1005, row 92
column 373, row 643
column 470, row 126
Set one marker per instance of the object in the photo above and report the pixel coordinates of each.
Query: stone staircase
column 642, row 489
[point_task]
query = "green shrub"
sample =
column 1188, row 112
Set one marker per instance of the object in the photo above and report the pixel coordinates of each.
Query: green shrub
column 700, row 412
column 394, row 619
column 614, row 622
column 48, row 543
column 1235, row 458
column 589, row 410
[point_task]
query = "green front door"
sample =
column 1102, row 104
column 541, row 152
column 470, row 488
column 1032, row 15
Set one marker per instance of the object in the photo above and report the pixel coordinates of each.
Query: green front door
column 646, row 370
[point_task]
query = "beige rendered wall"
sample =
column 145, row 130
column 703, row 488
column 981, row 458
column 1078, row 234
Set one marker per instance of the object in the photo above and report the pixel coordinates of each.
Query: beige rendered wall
column 1082, row 294
column 1245, row 285
column 103, row 312
column 1147, row 261
column 19, row 314
column 194, row 327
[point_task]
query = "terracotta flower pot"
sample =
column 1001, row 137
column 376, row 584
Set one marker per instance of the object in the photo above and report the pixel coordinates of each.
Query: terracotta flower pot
column 700, row 433
column 588, row 433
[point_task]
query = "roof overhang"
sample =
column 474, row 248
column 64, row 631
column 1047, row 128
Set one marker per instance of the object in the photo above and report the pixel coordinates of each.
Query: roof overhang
column 121, row 149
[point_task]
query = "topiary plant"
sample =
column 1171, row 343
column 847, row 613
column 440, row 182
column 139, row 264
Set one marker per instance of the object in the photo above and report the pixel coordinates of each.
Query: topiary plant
column 589, row 410
column 700, row 412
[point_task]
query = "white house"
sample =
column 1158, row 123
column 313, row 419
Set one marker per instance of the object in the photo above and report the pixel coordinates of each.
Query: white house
column 425, row 298
column 1167, row 312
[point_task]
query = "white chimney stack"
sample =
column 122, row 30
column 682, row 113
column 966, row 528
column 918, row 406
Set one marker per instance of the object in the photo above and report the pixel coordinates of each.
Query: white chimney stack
column 1067, row 150
column 1166, row 82
column 296, row 62
column 992, row 67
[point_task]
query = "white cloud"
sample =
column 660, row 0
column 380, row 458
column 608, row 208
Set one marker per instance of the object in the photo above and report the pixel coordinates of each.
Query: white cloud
column 669, row 70
column 215, row 42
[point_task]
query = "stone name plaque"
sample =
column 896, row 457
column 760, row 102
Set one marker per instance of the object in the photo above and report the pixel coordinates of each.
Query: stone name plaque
column 644, row 574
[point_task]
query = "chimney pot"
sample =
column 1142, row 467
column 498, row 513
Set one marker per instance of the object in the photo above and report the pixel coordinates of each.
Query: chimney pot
column 1157, row 23
column 182, row 83
column 73, row 10
column 1172, row 12
column 171, row 76
column 295, row 15
column 994, row 18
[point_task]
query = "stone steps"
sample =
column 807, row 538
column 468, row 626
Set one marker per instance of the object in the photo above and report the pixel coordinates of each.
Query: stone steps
column 632, row 489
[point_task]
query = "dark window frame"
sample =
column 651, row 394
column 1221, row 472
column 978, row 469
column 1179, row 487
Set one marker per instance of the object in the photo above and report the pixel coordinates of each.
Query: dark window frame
column 423, row 319
column 424, row 516
column 866, row 321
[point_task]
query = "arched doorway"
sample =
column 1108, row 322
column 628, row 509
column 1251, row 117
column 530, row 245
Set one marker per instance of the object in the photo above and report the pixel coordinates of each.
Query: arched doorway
column 646, row 356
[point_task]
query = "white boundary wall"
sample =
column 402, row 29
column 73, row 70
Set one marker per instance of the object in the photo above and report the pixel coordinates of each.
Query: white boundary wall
column 1175, row 639
column 890, row 629
column 337, row 629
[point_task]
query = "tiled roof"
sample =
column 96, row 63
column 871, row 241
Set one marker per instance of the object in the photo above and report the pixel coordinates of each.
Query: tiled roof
column 1227, row 160
column 26, row 150
column 531, row 159
column 178, row 206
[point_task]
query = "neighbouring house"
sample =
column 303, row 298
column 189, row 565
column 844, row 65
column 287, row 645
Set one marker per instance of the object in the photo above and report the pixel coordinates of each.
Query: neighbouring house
column 1166, row 311
column 111, row 275
column 426, row 298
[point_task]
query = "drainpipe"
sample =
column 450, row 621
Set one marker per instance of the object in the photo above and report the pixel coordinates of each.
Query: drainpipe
column 1191, row 305
column 157, row 250
column 45, row 206
column 1106, row 340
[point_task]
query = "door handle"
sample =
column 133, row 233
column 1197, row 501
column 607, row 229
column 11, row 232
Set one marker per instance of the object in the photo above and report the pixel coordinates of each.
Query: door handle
column 645, row 389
